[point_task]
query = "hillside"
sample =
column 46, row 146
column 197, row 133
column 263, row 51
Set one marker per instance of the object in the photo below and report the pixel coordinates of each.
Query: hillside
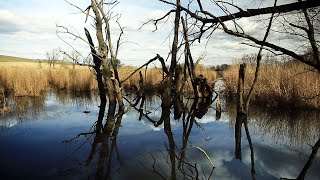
column 4, row 58
column 12, row 59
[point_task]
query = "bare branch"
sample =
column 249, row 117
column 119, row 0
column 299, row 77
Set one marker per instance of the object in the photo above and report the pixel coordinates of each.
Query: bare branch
column 224, row 2
column 252, row 12
column 270, row 45
column 259, row 56
column 150, row 61
column 300, row 27
column 155, row 21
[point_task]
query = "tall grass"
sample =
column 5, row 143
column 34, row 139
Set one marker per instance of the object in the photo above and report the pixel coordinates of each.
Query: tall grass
column 72, row 79
column 287, row 85
column 23, row 81
column 152, row 77
column 31, row 79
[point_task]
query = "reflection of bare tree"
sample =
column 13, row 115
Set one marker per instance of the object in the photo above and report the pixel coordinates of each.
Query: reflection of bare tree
column 180, row 166
column 104, row 144
column 290, row 128
column 106, row 136
column 308, row 164
column 253, row 171
column 294, row 126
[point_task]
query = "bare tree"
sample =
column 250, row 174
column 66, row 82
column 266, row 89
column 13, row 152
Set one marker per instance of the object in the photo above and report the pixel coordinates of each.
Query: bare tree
column 52, row 57
column 206, row 21
column 303, row 18
column 104, row 54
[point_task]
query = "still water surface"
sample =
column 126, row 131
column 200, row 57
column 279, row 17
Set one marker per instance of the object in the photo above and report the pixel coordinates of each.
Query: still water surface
column 52, row 137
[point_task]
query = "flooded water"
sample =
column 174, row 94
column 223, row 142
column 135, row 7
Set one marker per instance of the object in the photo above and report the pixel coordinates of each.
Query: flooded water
column 57, row 137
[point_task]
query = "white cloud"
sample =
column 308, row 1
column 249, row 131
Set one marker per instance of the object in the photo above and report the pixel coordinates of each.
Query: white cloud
column 32, row 25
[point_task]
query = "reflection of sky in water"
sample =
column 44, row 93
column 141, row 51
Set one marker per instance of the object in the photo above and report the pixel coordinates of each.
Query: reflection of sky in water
column 34, row 148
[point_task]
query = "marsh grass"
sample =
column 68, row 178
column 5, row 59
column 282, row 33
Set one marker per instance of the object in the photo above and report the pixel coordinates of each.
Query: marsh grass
column 72, row 79
column 23, row 80
column 152, row 78
column 32, row 78
column 284, row 85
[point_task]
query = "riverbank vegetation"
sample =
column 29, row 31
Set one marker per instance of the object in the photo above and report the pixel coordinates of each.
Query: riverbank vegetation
column 33, row 78
column 288, row 84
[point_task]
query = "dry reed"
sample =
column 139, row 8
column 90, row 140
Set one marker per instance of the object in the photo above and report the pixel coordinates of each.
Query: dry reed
column 153, row 76
column 23, row 81
column 72, row 79
column 31, row 79
column 286, row 85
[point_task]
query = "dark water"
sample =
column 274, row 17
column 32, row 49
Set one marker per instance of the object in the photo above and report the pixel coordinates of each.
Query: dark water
column 52, row 137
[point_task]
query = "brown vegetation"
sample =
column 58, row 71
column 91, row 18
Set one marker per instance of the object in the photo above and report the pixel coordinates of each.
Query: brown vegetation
column 72, row 79
column 153, row 76
column 27, row 79
column 23, row 80
column 4, row 108
column 288, row 85
column 30, row 79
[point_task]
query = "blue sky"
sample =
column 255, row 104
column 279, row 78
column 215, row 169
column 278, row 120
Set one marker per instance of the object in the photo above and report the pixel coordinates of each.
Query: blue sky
column 28, row 29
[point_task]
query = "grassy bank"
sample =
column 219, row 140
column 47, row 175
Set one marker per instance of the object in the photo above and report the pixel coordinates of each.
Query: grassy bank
column 27, row 78
column 281, row 85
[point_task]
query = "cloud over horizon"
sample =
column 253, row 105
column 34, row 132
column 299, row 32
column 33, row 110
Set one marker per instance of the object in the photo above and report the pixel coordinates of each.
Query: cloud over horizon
column 28, row 29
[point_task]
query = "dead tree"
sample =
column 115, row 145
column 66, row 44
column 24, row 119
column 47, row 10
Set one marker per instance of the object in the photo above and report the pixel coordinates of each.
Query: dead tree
column 207, row 21
column 52, row 57
column 104, row 55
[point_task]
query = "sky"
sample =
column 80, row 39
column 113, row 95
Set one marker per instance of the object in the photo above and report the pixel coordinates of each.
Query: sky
column 28, row 29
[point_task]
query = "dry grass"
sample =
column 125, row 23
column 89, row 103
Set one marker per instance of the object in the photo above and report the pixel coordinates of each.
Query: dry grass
column 72, row 79
column 31, row 79
column 23, row 80
column 286, row 85
column 153, row 77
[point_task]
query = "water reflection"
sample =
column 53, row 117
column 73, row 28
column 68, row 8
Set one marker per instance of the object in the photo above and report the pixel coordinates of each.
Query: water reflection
column 106, row 136
column 23, row 108
column 294, row 126
column 151, row 141
column 76, row 98
column 44, row 106
column 180, row 166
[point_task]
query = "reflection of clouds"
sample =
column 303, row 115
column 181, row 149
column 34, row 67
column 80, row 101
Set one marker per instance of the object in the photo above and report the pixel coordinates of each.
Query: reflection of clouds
column 7, row 122
column 278, row 163
column 220, row 159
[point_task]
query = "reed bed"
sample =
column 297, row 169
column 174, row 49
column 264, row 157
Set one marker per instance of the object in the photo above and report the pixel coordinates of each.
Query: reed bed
column 73, row 79
column 23, row 80
column 152, row 77
column 287, row 85
column 31, row 79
